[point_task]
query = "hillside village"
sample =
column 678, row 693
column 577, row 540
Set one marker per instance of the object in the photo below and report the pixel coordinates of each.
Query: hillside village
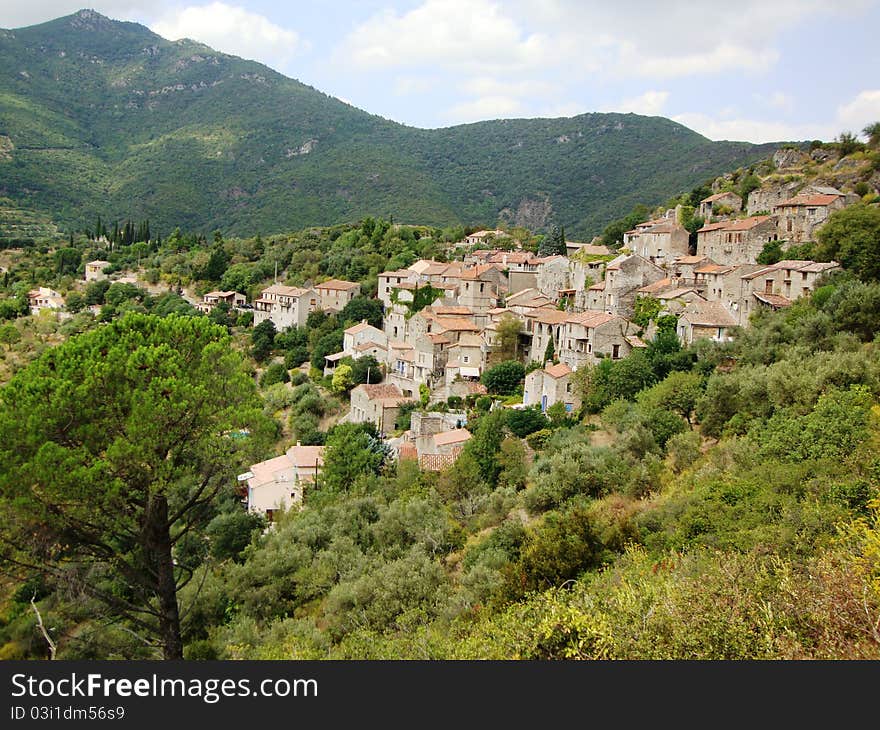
column 446, row 323
column 568, row 312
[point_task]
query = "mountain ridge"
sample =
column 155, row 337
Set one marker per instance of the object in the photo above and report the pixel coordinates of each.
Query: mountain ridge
column 107, row 117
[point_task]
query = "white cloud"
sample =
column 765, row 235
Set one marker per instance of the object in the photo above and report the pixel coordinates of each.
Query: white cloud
column 486, row 107
column 860, row 112
column 650, row 103
column 233, row 30
column 853, row 116
column 460, row 34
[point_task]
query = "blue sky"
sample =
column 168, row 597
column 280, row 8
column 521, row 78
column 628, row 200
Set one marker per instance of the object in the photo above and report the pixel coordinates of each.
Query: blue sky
column 757, row 70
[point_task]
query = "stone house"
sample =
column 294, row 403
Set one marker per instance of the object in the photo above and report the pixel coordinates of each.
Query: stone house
column 95, row 270
column 542, row 326
column 232, row 298
column 778, row 285
column 479, row 238
column 705, row 320
column 278, row 484
column 44, row 298
column 401, row 358
column 336, row 293
column 800, row 216
column 767, row 197
column 623, row 277
column 549, row 385
column 727, row 200
column 286, row 306
column 737, row 241
column 430, row 355
column 378, row 404
column 660, row 243
column 360, row 333
column 391, row 280
column 588, row 337
column 554, row 277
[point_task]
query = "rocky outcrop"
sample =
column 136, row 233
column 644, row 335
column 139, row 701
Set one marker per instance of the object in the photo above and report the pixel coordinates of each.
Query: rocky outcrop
column 531, row 213
column 788, row 157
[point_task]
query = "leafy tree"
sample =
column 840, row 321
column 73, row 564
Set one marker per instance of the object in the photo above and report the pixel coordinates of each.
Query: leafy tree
column 96, row 291
column 67, row 261
column 504, row 378
column 852, row 237
column 342, row 380
column 847, row 143
column 483, row 447
column 366, row 369
column 771, row 253
column 352, row 450
column 678, row 392
column 75, row 302
column 362, row 308
column 872, row 132
column 553, row 243
column 508, row 331
column 549, row 352
column 263, row 340
column 275, row 373
column 523, row 421
column 646, row 308
column 114, row 448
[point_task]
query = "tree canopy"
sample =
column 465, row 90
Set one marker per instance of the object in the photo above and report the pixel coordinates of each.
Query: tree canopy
column 114, row 446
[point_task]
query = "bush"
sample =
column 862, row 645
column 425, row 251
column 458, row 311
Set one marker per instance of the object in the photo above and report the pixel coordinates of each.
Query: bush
column 275, row 373
column 523, row 421
column 504, row 378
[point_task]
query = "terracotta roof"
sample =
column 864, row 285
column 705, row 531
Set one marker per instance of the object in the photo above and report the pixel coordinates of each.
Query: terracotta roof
column 306, row 456
column 560, row 370
column 657, row 286
column 284, row 291
column 774, row 300
column 364, row 346
column 511, row 257
column 690, row 259
column 745, row 224
column 407, row 451
column 712, row 227
column 383, row 392
column 402, row 273
column 98, row 262
column 360, row 327
column 719, row 196
column 451, row 310
column 476, row 272
column 680, row 292
column 549, row 316
column 338, row 284
column 439, row 339
column 438, row 462
column 598, row 287
column 711, row 269
column 811, row 200
column 456, row 324
column 708, row 314
column 818, row 267
column 265, row 471
column 590, row 248
column 591, row 319
column 456, row 436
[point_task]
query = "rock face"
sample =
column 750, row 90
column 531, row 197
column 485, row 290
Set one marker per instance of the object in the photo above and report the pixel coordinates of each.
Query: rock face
column 531, row 213
column 766, row 198
column 787, row 157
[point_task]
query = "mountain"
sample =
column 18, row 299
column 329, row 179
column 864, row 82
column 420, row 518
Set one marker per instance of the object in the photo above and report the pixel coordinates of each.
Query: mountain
column 100, row 116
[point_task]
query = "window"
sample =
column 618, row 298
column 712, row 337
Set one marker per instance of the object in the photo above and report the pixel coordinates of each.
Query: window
column 466, row 358
column 615, row 352
column 482, row 287
column 719, row 333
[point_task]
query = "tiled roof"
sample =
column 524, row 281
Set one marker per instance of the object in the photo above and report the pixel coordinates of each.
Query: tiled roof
column 774, row 300
column 591, row 319
column 707, row 314
column 306, row 456
column 338, row 284
column 456, row 436
column 719, row 196
column 799, row 200
column 284, row 291
column 560, row 370
column 745, row 224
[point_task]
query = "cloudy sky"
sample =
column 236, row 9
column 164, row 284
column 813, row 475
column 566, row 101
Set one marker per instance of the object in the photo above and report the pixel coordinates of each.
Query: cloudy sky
column 757, row 70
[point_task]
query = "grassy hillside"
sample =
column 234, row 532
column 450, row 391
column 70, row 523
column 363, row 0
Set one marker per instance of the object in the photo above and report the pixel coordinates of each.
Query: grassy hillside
column 99, row 116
